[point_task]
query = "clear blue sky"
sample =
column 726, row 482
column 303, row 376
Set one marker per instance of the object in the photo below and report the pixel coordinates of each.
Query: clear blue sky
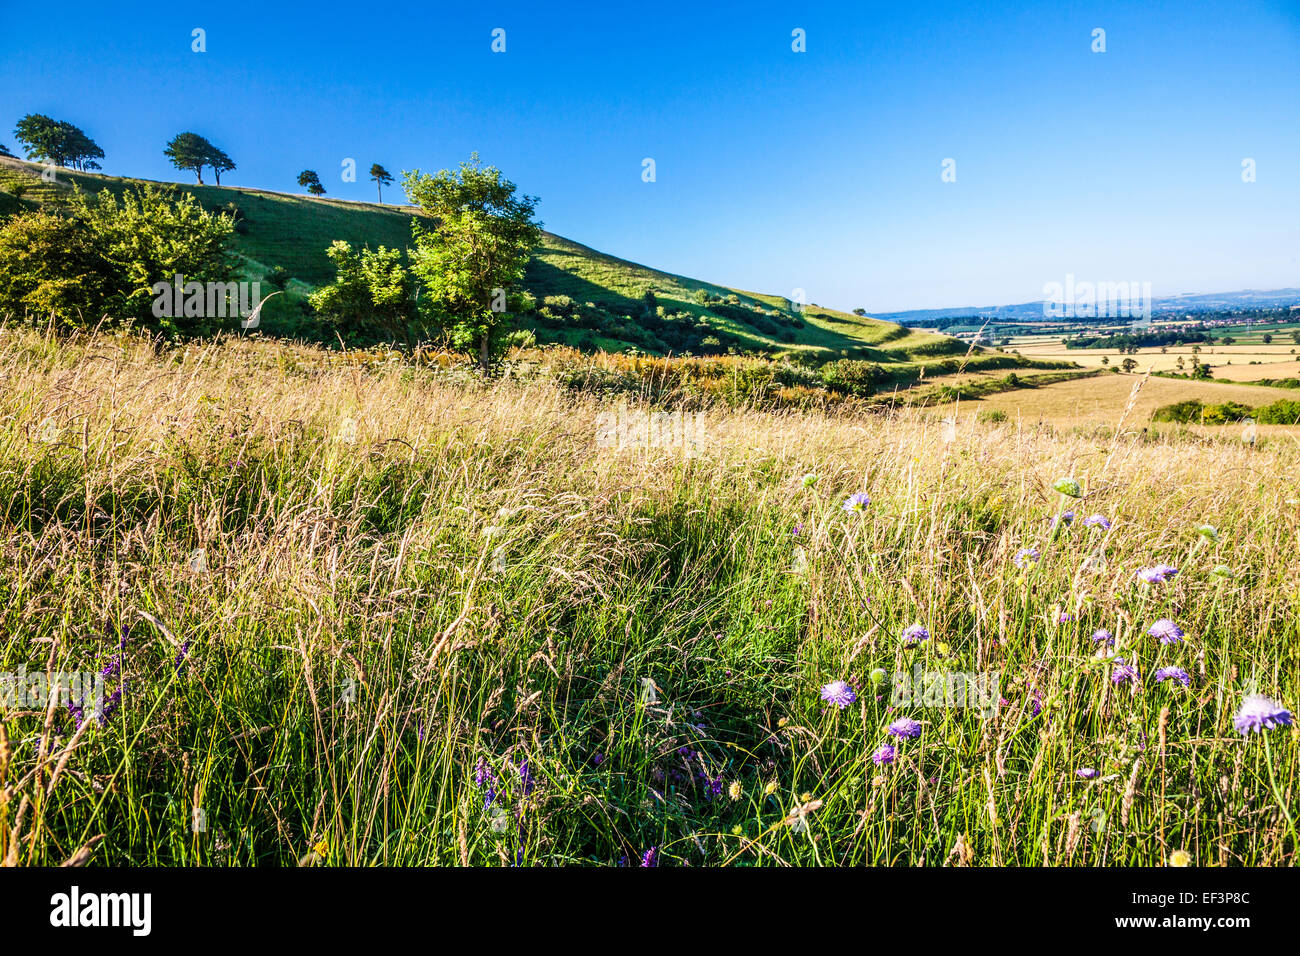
column 776, row 170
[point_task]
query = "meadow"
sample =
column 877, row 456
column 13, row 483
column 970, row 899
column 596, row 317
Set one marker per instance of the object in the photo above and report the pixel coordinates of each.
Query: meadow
column 355, row 609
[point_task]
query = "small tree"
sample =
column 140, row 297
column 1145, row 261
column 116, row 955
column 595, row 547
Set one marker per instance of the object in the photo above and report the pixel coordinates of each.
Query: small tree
column 50, row 140
column 372, row 296
column 480, row 242
column 381, row 177
column 1129, row 364
column 4, row 151
column 189, row 151
column 1267, row 339
column 220, row 162
column 308, row 179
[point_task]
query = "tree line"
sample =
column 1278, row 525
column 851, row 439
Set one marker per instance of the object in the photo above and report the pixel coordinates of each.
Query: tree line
column 59, row 142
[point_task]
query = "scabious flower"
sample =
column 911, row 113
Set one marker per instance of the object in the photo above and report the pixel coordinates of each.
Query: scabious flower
column 905, row 727
column 1026, row 556
column 1173, row 673
column 1123, row 672
column 1259, row 713
column 1158, row 574
column 1180, row 858
column 1064, row 617
column 1064, row 518
column 1086, row 773
column 1103, row 636
column 1068, row 486
column 915, row 634
column 1222, row 571
column 486, row 780
column 1097, row 521
column 735, row 791
column 809, row 480
column 857, row 502
column 840, row 693
column 1166, row 630
column 1208, row 531
column 885, row 755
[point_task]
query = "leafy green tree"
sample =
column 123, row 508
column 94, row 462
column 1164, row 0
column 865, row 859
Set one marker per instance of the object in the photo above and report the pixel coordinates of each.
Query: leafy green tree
column 55, row 141
column 308, row 178
column 49, row 266
column 105, row 258
column 4, row 151
column 372, row 297
column 381, row 177
column 1129, row 364
column 189, row 151
column 481, row 239
column 220, row 163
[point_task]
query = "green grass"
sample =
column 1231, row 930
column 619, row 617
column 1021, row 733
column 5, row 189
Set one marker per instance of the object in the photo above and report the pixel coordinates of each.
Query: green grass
column 293, row 232
column 416, row 581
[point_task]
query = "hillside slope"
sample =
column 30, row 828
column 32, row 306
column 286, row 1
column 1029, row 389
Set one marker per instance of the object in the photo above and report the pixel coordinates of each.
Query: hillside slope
column 579, row 296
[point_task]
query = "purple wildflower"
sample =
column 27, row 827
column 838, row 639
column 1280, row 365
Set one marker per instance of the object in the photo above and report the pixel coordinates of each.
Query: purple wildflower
column 1026, row 556
column 1123, row 672
column 915, row 634
column 1097, row 521
column 486, row 780
column 1259, row 713
column 1103, row 636
column 885, row 755
column 905, row 727
column 840, row 693
column 1064, row 518
column 181, row 655
column 1166, row 630
column 857, row 502
column 526, row 777
column 1086, row 773
column 1157, row 574
column 1064, row 617
column 648, row 858
column 1173, row 673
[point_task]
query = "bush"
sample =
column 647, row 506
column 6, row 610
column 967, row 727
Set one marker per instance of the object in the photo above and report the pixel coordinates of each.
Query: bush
column 992, row 416
column 47, row 265
column 371, row 298
column 854, row 377
column 106, row 256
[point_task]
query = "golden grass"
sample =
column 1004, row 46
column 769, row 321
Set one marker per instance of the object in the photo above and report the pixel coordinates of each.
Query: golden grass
column 1102, row 400
column 350, row 513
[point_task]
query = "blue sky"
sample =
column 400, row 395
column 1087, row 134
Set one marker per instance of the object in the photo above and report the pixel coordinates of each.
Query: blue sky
column 775, row 170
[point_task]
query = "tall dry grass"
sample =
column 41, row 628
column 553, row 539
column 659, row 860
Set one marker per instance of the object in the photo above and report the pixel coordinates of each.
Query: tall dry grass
column 372, row 613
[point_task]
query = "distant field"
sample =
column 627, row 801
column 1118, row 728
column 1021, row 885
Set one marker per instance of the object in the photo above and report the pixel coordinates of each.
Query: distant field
column 1102, row 400
column 1277, row 360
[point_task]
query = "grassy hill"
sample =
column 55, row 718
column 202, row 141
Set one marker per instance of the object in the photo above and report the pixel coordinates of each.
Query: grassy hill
column 580, row 296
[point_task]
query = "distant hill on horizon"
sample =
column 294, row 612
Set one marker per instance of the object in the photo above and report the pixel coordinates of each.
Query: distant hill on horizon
column 1192, row 302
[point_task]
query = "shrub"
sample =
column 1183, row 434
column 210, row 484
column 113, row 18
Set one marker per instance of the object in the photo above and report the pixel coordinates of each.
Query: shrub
column 371, row 298
column 106, row 256
column 853, row 376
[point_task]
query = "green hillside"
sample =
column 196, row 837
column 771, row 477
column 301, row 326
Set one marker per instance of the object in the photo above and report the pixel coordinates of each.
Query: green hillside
column 575, row 295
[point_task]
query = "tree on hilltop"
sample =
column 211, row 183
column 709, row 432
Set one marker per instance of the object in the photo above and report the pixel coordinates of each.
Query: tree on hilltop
column 381, row 177
column 55, row 141
column 309, row 180
column 189, row 151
